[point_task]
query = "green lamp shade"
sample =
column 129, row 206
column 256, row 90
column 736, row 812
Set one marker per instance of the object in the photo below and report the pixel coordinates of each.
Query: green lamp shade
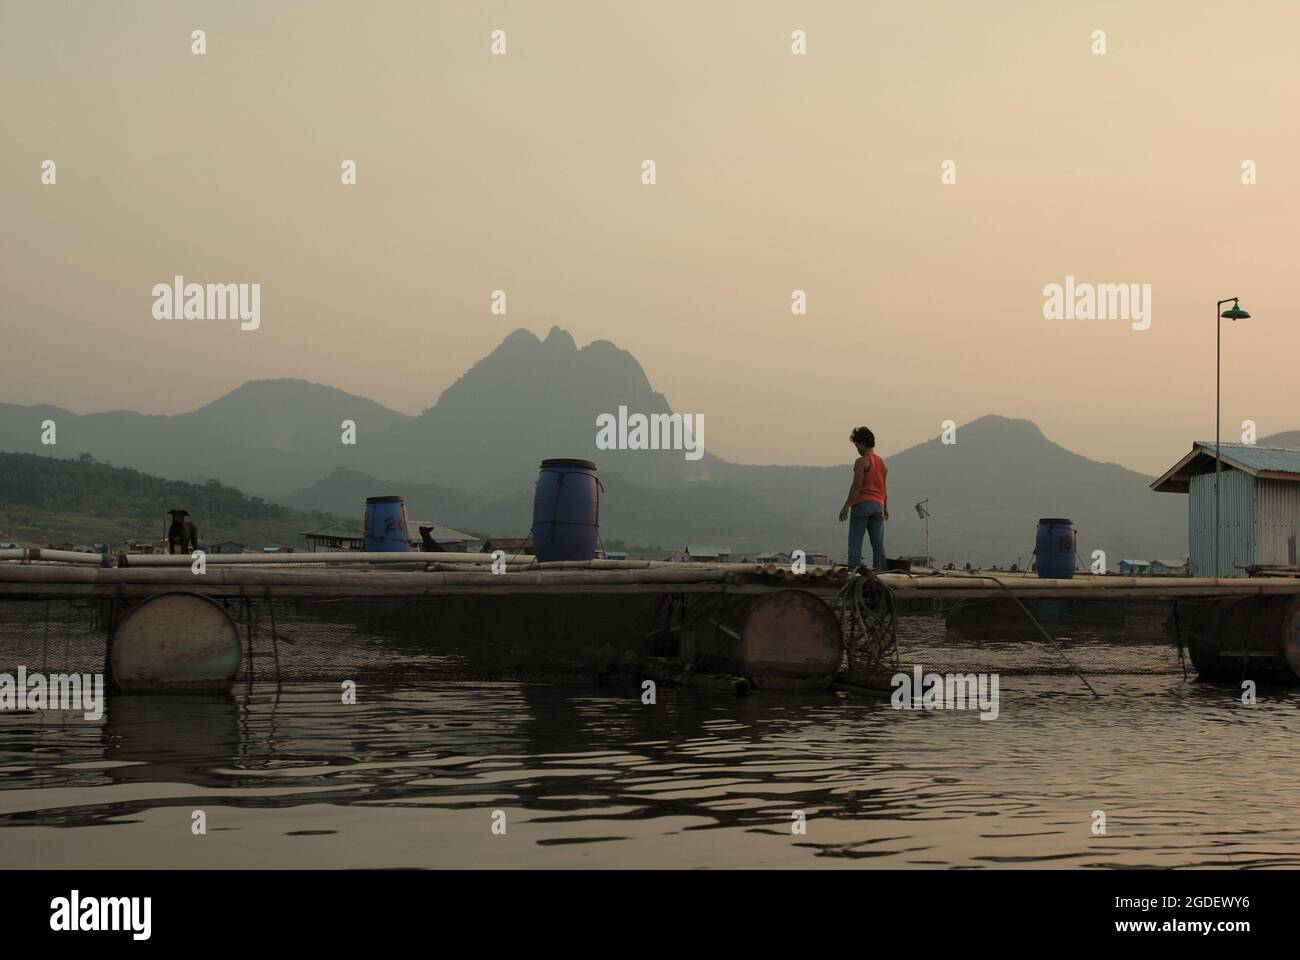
column 1235, row 313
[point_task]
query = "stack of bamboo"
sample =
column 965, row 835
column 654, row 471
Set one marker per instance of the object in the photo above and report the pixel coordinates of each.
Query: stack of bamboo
column 786, row 572
column 470, row 563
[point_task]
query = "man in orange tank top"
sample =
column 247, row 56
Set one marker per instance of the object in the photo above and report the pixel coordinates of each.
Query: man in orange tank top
column 867, row 505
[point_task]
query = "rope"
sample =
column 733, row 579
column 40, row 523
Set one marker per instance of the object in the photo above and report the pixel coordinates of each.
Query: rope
column 851, row 592
column 246, row 614
column 1178, row 637
column 555, row 505
column 868, row 620
column 275, row 643
column 1032, row 619
column 1250, row 642
column 45, row 644
column 67, row 634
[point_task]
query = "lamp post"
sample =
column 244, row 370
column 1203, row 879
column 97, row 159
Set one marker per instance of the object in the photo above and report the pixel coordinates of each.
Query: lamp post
column 924, row 514
column 1234, row 313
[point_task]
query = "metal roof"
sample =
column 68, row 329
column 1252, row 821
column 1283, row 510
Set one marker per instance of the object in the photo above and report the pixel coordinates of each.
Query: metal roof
column 339, row 529
column 1255, row 458
column 349, row 530
column 440, row 532
column 697, row 551
column 1268, row 462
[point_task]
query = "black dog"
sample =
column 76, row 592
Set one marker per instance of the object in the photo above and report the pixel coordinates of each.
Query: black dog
column 183, row 532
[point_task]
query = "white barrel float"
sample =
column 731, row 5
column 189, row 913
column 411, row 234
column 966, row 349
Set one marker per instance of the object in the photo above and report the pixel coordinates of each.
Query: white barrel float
column 175, row 642
column 787, row 635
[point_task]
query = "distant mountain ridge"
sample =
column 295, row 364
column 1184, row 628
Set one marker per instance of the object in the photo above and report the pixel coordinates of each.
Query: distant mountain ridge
column 1287, row 440
column 527, row 400
column 266, row 436
column 79, row 501
column 470, row 461
column 986, row 494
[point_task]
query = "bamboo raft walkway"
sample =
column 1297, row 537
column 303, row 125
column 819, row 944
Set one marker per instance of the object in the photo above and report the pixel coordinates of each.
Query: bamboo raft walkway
column 737, row 624
column 398, row 575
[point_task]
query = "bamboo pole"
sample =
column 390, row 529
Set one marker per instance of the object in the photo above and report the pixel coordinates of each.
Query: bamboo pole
column 487, row 588
column 605, row 564
column 478, row 569
column 341, row 582
column 676, row 573
column 329, row 558
column 1086, row 588
column 302, row 582
column 374, row 579
column 38, row 555
column 507, row 586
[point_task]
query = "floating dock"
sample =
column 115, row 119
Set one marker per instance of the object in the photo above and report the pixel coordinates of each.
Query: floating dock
column 459, row 574
column 765, row 624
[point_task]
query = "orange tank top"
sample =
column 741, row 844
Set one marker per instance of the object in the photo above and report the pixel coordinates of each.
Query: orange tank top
column 873, row 484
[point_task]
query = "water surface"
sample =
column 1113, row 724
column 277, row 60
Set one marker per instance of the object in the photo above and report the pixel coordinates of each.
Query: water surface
column 412, row 775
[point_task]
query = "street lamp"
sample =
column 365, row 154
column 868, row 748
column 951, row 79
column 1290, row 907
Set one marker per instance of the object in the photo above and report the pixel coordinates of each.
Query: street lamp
column 1234, row 313
column 924, row 514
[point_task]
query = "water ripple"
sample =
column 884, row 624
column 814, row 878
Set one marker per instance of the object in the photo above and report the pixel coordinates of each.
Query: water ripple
column 431, row 775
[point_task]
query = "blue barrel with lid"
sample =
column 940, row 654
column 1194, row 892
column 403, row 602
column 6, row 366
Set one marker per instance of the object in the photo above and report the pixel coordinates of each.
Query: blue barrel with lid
column 385, row 528
column 566, row 511
column 1054, row 549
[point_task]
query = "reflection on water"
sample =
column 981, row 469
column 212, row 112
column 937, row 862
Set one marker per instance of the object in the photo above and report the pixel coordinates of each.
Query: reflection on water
column 588, row 776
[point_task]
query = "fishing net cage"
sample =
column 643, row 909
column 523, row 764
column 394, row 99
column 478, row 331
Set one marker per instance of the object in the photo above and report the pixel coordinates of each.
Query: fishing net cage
column 282, row 640
column 884, row 631
column 430, row 639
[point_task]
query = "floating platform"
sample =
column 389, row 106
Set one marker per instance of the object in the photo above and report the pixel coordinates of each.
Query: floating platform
column 369, row 575
column 760, row 624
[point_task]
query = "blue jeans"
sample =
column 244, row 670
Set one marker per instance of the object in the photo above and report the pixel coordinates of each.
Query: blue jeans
column 867, row 517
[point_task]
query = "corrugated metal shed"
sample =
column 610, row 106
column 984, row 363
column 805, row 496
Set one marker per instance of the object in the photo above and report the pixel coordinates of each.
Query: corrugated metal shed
column 1278, row 526
column 1255, row 460
column 1236, row 523
column 1259, row 505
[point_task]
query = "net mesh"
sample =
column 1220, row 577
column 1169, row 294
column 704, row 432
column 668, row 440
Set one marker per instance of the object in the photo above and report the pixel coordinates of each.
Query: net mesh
column 418, row 639
column 996, row 636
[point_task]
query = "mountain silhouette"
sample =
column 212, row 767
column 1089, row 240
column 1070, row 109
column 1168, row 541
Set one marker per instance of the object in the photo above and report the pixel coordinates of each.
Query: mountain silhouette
column 526, row 401
column 1287, row 440
column 267, row 437
column 470, row 461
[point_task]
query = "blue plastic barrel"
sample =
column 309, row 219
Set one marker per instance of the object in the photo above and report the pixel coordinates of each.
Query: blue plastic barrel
column 1054, row 549
column 385, row 529
column 566, row 511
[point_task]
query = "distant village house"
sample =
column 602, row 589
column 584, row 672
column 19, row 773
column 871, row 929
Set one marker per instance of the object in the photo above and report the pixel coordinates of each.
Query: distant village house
column 448, row 539
column 347, row 535
column 706, row 554
column 510, row 546
column 1151, row 568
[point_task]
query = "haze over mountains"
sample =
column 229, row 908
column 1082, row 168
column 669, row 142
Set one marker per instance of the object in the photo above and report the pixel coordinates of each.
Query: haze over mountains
column 470, row 461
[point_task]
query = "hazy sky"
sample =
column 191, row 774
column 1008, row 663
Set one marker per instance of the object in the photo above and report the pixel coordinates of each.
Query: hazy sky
column 775, row 172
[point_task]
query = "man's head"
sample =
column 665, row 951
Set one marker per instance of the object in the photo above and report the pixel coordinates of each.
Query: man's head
column 178, row 516
column 863, row 439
